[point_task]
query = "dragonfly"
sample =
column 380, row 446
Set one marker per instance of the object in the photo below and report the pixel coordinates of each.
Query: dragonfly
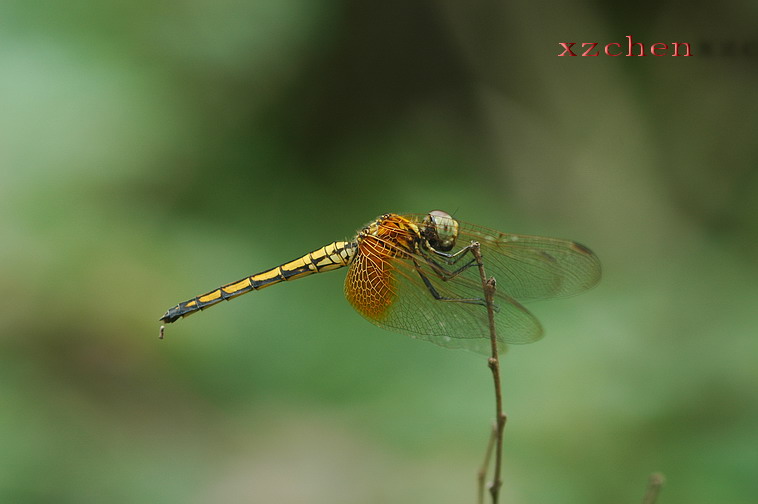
column 416, row 274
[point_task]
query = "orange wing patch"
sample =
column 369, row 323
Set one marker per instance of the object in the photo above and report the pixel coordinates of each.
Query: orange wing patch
column 368, row 284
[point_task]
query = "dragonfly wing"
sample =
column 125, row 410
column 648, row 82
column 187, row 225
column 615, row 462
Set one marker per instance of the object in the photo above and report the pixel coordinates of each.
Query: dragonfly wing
column 529, row 268
column 457, row 320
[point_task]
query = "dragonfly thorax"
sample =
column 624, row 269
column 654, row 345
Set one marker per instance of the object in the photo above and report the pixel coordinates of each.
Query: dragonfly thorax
column 440, row 230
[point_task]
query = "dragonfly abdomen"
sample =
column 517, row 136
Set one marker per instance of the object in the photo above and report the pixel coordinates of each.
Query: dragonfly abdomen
column 332, row 256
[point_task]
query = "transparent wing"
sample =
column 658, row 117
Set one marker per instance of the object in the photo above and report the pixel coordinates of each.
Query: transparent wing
column 529, row 268
column 401, row 301
column 459, row 319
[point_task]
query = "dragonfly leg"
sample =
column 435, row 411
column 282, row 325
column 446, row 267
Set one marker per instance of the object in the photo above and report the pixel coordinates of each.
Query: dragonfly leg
column 439, row 297
column 451, row 259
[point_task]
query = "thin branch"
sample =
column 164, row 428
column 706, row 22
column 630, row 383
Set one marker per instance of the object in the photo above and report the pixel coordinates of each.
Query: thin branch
column 654, row 485
column 488, row 287
column 481, row 476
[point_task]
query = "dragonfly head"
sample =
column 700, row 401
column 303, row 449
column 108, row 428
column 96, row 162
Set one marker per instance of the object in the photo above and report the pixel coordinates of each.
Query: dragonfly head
column 440, row 230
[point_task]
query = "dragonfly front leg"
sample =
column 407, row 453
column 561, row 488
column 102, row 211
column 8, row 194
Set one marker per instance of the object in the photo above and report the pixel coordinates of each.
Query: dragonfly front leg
column 450, row 259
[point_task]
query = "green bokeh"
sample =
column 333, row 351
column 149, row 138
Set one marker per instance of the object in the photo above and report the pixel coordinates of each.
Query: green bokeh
column 150, row 151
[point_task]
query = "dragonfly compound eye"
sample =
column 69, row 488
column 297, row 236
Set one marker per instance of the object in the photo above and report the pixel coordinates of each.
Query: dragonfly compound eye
column 440, row 230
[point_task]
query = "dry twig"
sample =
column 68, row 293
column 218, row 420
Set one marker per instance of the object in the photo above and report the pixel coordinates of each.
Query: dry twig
column 488, row 287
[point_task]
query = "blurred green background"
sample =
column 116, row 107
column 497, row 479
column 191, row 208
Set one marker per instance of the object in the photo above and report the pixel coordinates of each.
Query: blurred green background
column 151, row 151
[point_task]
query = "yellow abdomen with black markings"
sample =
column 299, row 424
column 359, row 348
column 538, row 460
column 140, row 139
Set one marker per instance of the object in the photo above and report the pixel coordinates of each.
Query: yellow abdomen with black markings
column 332, row 256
